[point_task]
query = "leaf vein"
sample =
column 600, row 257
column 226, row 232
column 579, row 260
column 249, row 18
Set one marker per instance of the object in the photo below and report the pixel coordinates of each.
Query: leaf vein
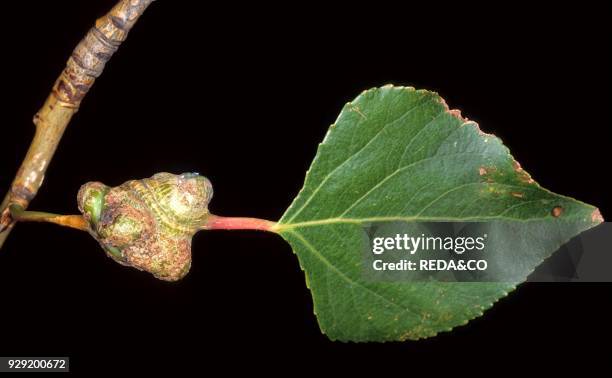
column 316, row 190
column 343, row 275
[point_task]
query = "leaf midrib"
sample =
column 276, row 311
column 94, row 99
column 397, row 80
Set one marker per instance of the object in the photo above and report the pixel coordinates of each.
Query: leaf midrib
column 289, row 227
column 418, row 217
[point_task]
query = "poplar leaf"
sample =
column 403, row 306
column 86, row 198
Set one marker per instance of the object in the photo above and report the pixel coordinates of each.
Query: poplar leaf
column 396, row 154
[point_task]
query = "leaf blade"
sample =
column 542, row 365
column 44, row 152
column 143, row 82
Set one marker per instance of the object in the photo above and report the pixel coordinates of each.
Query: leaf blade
column 398, row 154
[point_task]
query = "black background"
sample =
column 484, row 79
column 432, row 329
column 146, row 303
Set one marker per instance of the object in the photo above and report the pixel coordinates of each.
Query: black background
column 243, row 94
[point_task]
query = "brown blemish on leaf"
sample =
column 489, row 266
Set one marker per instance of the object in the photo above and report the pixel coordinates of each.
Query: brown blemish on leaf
column 596, row 216
column 454, row 112
column 457, row 114
column 487, row 173
column 356, row 109
column 486, row 136
column 417, row 332
column 522, row 175
column 556, row 211
column 517, row 194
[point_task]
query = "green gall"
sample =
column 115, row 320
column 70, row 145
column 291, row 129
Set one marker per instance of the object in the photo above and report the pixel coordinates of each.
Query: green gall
column 91, row 199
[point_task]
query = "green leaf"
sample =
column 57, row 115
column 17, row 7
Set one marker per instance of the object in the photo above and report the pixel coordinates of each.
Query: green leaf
column 397, row 154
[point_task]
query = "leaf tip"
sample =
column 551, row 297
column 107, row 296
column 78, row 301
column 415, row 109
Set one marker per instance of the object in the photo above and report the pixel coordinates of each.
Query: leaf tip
column 596, row 216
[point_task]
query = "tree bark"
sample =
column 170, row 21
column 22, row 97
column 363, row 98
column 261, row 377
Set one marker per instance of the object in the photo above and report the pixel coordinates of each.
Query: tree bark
column 83, row 67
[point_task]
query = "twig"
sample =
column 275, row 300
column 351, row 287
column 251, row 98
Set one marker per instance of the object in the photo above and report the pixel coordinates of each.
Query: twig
column 83, row 67
column 72, row 221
